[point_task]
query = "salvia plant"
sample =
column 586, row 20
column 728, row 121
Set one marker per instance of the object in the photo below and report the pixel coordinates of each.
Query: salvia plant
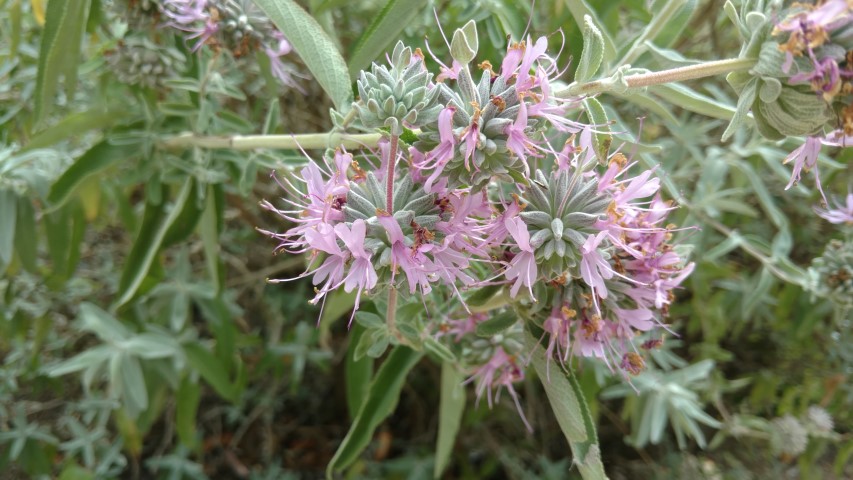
column 486, row 201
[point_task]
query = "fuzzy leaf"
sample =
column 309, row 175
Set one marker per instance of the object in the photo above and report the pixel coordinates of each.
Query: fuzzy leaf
column 314, row 47
column 381, row 401
column 383, row 30
column 564, row 394
column 59, row 50
column 593, row 51
column 450, row 409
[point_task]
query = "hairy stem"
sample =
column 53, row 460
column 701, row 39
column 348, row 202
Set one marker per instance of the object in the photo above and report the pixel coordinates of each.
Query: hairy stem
column 680, row 74
column 389, row 177
column 307, row 141
column 391, row 315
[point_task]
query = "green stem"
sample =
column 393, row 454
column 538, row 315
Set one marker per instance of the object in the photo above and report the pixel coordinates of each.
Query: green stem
column 389, row 177
column 307, row 141
column 680, row 74
column 659, row 21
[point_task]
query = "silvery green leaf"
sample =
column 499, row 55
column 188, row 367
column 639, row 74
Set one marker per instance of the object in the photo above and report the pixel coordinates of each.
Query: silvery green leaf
column 744, row 104
column 593, row 51
column 314, row 47
column 464, row 45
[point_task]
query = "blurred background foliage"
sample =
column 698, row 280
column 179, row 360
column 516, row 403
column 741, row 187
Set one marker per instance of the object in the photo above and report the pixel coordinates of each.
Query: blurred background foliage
column 139, row 339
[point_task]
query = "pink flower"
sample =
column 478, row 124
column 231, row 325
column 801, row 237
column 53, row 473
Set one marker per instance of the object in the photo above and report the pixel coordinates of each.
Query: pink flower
column 805, row 158
column 522, row 268
column 412, row 261
column 517, row 141
column 361, row 274
column 594, row 269
column 438, row 157
column 501, row 370
column 840, row 214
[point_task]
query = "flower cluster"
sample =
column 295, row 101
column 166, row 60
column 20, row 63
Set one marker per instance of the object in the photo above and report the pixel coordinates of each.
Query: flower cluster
column 235, row 25
column 818, row 56
column 577, row 246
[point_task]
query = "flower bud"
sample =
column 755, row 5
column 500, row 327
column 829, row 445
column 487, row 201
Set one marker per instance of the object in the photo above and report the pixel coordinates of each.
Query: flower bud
column 397, row 96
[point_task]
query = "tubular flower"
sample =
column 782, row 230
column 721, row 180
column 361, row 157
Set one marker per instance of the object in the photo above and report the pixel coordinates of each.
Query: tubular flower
column 479, row 229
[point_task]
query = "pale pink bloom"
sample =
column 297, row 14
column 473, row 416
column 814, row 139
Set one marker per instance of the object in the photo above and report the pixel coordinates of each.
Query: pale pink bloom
column 805, row 158
column 437, row 158
column 594, row 269
column 501, row 370
column 517, row 141
column 362, row 275
column 413, row 262
column 522, row 268
column 840, row 214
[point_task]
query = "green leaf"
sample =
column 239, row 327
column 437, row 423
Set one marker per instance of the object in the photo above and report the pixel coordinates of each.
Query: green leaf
column 97, row 158
column 593, row 51
column 87, row 359
column 744, row 104
column 209, row 231
column 59, row 51
column 438, row 349
column 94, row 319
column 188, row 398
column 382, row 32
column 356, row 372
column 497, row 324
column 579, row 10
column 601, row 135
column 381, row 401
column 9, row 216
column 155, row 224
column 450, row 410
column 212, row 370
column 26, row 235
column 569, row 406
column 672, row 29
column 184, row 224
column 314, row 47
column 132, row 383
column 693, row 101
column 76, row 124
column 64, row 230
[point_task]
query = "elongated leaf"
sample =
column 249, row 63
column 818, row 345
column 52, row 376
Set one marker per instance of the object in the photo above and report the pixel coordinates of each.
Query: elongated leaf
column 450, row 410
column 155, row 224
column 212, row 370
column 497, row 324
column 132, row 383
column 87, row 359
column 601, row 137
column 382, row 32
column 97, row 158
column 564, row 394
column 26, row 236
column 59, row 50
column 187, row 219
column 188, row 398
column 8, row 217
column 209, row 231
column 693, row 101
column 315, row 48
column 380, row 403
column 356, row 372
column 593, row 51
column 75, row 124
column 580, row 9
